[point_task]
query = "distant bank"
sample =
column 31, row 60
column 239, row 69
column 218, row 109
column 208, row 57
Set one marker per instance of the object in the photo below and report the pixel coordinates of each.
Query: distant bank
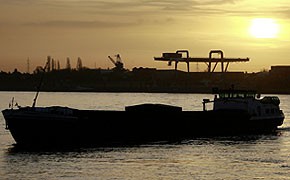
column 275, row 81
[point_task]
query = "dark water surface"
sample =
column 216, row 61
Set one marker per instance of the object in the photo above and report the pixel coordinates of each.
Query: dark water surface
column 246, row 157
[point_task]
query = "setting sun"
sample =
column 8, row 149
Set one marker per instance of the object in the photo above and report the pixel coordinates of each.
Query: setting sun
column 264, row 28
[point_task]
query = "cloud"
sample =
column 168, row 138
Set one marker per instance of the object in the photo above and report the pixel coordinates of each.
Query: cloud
column 117, row 5
column 80, row 24
column 283, row 11
column 147, row 7
column 117, row 13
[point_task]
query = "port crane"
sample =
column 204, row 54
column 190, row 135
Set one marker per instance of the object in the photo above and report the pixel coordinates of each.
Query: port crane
column 119, row 66
column 178, row 57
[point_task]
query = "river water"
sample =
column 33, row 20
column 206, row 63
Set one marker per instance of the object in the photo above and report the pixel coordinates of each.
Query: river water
column 247, row 157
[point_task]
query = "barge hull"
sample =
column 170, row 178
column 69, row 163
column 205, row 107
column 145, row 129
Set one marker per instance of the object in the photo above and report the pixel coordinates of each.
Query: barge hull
column 97, row 127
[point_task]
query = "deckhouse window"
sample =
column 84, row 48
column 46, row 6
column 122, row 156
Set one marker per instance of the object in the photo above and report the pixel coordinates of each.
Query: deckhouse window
column 250, row 95
column 224, row 95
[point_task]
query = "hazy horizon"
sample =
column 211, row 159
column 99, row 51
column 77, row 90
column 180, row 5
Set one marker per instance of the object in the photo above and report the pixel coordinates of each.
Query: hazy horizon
column 141, row 30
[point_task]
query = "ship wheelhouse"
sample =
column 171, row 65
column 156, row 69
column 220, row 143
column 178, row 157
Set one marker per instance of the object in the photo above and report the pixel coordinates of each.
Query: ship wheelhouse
column 246, row 100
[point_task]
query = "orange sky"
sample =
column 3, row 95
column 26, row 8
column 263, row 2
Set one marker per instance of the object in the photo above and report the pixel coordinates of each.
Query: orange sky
column 139, row 30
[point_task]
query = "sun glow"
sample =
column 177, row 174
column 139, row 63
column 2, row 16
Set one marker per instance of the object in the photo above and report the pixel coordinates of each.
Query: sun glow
column 264, row 28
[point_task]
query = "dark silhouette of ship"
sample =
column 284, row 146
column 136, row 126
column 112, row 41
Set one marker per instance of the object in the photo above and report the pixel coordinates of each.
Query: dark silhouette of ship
column 235, row 112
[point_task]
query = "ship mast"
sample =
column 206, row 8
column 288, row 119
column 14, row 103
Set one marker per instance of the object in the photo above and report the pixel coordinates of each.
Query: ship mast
column 40, row 83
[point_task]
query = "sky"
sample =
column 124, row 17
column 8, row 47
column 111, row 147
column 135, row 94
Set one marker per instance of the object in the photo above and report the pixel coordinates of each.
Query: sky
column 140, row 30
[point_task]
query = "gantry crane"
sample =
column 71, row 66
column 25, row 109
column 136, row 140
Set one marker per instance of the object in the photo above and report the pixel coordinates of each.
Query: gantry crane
column 177, row 57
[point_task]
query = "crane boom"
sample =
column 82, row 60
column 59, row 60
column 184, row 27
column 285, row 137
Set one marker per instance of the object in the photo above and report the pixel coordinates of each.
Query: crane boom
column 112, row 60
